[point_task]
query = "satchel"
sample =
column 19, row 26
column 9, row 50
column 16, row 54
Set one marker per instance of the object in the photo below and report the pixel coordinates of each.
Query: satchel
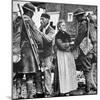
column 86, row 45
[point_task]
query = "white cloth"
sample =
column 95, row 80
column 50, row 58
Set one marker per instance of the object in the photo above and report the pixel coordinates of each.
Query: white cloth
column 44, row 29
column 67, row 72
column 48, row 81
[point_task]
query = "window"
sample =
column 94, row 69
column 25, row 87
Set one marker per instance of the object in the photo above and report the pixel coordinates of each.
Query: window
column 70, row 17
column 89, row 12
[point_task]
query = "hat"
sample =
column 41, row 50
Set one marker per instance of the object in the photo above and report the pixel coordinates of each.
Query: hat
column 45, row 15
column 29, row 7
column 79, row 11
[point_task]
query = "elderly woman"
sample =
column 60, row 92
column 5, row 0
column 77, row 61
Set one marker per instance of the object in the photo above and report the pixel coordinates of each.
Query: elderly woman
column 65, row 60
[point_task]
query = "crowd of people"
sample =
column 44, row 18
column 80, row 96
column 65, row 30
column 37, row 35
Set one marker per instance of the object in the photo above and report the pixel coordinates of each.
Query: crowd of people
column 33, row 72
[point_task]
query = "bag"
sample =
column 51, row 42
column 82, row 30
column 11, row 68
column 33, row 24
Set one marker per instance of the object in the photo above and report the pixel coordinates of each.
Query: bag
column 86, row 45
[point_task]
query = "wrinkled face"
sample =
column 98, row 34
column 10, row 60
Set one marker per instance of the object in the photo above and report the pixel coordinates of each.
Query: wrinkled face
column 44, row 21
column 63, row 26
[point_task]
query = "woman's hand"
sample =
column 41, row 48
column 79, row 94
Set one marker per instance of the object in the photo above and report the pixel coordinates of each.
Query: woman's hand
column 67, row 46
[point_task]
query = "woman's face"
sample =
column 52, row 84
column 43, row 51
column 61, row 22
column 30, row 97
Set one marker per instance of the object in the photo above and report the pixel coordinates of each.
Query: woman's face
column 63, row 26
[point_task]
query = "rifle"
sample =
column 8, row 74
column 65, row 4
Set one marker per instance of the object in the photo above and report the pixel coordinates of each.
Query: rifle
column 32, row 42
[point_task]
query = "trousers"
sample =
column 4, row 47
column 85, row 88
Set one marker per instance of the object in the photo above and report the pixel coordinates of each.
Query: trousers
column 47, row 74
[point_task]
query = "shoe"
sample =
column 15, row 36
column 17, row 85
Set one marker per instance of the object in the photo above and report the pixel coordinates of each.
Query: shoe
column 40, row 95
column 47, row 96
column 62, row 94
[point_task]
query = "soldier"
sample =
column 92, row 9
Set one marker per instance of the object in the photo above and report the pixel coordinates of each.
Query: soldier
column 84, row 59
column 28, row 61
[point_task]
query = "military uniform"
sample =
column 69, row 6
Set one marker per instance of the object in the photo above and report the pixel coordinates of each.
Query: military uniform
column 28, row 64
column 83, row 59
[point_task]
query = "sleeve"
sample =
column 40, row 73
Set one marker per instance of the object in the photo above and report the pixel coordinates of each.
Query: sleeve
column 82, row 32
column 93, row 34
column 50, row 36
column 62, row 46
column 17, row 27
column 68, row 38
column 35, row 34
column 58, row 35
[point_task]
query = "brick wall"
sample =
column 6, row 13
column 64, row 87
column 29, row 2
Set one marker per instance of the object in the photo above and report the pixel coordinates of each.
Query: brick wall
column 65, row 9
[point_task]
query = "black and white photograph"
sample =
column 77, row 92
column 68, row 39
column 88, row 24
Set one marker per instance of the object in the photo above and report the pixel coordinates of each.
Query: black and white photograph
column 54, row 49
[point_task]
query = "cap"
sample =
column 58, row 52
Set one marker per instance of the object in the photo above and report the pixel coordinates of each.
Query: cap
column 79, row 11
column 45, row 15
column 29, row 7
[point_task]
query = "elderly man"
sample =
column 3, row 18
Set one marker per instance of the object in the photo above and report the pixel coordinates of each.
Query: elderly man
column 48, row 36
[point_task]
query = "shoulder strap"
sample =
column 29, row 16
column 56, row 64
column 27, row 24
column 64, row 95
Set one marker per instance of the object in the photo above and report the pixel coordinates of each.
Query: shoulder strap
column 88, row 22
column 88, row 31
